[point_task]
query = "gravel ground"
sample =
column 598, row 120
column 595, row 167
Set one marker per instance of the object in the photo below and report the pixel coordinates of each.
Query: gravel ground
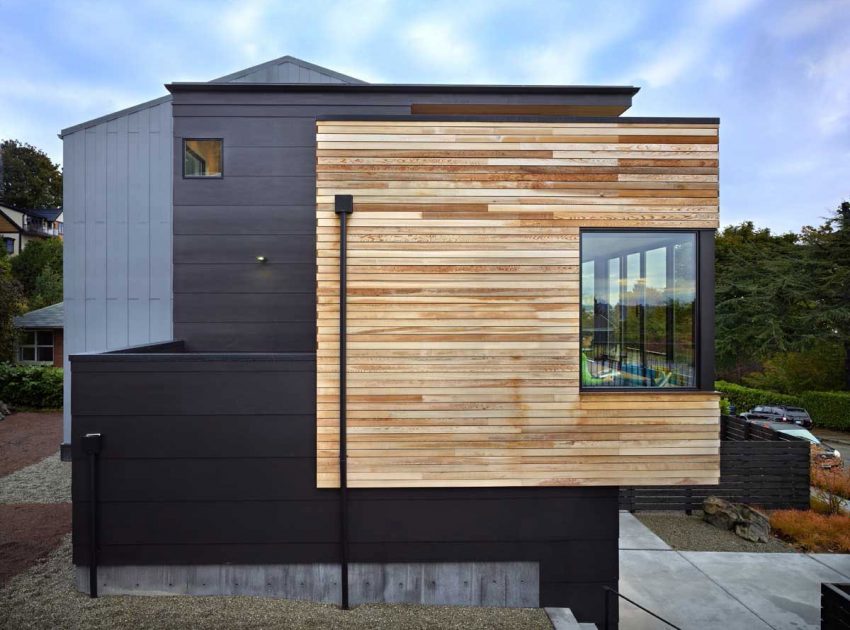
column 47, row 481
column 43, row 598
column 691, row 533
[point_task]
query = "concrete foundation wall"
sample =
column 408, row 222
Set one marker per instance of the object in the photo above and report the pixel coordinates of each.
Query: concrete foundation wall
column 499, row 584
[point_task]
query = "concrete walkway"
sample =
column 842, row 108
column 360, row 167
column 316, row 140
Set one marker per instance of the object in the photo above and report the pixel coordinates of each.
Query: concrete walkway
column 731, row 591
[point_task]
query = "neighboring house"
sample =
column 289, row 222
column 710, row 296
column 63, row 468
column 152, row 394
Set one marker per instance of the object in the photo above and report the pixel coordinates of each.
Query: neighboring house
column 41, row 336
column 18, row 226
column 526, row 325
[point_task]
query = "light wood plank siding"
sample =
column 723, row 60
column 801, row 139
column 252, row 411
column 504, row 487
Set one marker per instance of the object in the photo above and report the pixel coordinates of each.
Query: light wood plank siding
column 464, row 302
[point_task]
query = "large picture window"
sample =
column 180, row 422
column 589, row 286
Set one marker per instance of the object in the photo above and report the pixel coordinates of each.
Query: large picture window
column 638, row 309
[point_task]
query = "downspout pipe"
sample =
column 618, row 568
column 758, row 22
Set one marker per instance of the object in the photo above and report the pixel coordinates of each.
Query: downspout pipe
column 343, row 206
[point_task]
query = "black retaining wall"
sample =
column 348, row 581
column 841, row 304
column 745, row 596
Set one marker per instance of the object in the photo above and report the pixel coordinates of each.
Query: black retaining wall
column 211, row 459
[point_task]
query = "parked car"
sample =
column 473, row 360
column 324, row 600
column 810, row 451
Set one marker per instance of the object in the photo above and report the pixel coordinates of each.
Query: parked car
column 780, row 413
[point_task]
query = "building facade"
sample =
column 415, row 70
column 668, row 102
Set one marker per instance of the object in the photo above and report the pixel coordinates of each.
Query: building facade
column 515, row 319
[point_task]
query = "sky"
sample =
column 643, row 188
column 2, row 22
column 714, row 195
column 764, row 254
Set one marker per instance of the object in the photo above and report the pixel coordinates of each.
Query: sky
column 776, row 72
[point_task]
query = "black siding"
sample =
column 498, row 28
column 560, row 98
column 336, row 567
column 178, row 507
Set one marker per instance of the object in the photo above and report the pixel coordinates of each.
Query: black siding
column 210, row 459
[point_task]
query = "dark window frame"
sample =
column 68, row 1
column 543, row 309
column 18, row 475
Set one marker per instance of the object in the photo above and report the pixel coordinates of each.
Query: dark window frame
column 36, row 345
column 703, row 311
column 183, row 159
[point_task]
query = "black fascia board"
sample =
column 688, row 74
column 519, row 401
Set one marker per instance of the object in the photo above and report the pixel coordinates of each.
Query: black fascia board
column 414, row 88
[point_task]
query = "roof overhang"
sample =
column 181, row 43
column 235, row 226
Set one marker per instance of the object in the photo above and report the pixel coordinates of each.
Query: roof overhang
column 406, row 88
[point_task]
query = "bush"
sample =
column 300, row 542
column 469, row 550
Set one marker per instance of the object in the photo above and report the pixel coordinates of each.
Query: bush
column 745, row 398
column 811, row 531
column 828, row 409
column 31, row 386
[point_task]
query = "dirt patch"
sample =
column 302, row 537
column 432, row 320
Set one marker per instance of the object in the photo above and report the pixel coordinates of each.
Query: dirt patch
column 29, row 532
column 28, row 437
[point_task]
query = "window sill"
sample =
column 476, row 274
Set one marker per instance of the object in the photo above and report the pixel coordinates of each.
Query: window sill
column 646, row 391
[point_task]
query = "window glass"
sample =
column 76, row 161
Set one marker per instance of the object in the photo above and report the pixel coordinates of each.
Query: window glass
column 28, row 354
column 45, row 353
column 28, row 338
column 202, row 158
column 638, row 309
column 45, row 337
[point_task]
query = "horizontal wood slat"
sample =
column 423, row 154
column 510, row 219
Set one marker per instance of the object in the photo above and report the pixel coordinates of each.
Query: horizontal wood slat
column 463, row 302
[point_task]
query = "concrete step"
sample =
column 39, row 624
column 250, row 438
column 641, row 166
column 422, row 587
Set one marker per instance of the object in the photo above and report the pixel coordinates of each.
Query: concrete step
column 563, row 619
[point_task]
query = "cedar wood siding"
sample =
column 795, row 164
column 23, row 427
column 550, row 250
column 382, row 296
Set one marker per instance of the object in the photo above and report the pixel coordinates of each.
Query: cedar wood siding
column 463, row 300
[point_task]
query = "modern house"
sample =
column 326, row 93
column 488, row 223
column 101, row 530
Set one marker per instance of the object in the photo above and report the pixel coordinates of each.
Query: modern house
column 18, row 226
column 41, row 339
column 383, row 342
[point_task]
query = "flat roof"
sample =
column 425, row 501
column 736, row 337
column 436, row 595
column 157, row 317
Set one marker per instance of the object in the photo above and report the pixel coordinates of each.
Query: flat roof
column 624, row 90
column 661, row 120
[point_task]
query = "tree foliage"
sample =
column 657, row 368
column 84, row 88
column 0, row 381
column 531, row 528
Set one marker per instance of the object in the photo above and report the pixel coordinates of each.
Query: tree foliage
column 31, row 263
column 48, row 288
column 783, row 305
column 11, row 304
column 28, row 178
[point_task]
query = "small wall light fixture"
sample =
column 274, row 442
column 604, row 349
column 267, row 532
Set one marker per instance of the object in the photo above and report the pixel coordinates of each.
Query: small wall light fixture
column 262, row 259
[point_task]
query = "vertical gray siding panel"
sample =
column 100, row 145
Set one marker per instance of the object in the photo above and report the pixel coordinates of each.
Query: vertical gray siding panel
column 117, row 200
column 116, row 234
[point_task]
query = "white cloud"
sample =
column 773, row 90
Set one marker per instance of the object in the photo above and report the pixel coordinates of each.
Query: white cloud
column 803, row 18
column 691, row 45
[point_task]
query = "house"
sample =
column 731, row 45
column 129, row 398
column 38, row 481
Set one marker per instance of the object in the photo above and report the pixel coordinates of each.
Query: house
column 365, row 342
column 41, row 336
column 18, row 226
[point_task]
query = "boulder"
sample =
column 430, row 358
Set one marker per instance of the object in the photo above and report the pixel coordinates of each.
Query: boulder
column 720, row 512
column 754, row 525
column 746, row 522
column 4, row 409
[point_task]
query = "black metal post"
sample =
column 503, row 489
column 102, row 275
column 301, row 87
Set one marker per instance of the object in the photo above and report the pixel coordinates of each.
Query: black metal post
column 343, row 206
column 607, row 625
column 92, row 444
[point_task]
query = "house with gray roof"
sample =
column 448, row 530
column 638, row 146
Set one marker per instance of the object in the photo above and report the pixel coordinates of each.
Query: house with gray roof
column 41, row 339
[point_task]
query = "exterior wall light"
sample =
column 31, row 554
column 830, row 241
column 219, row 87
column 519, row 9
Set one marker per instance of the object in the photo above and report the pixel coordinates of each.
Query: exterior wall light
column 262, row 259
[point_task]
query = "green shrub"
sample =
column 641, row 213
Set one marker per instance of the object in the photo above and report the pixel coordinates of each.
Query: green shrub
column 724, row 407
column 828, row 409
column 745, row 398
column 31, row 386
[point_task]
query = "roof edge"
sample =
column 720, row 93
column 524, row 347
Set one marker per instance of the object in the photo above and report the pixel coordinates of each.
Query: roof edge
column 521, row 118
column 624, row 90
column 288, row 58
column 112, row 116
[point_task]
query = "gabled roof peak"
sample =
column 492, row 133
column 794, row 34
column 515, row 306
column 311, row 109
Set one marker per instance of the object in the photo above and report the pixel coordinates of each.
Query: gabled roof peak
column 287, row 69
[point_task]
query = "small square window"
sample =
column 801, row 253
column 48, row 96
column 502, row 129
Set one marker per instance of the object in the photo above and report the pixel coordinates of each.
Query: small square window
column 202, row 158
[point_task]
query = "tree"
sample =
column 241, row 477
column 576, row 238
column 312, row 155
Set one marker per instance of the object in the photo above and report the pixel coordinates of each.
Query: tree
column 762, row 297
column 28, row 178
column 11, row 304
column 48, row 288
column 31, row 262
column 829, row 249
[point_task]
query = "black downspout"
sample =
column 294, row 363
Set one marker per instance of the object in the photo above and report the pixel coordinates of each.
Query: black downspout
column 343, row 206
column 92, row 443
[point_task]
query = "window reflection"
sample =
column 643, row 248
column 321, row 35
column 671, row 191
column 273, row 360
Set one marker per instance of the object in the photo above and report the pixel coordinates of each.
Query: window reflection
column 638, row 305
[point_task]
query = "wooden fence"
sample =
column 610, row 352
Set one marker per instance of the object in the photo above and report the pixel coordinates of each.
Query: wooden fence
column 758, row 466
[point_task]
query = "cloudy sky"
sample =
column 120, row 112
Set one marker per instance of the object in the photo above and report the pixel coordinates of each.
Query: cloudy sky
column 777, row 72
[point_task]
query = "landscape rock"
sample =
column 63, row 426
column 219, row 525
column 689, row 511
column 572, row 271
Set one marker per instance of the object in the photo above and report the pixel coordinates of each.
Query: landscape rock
column 4, row 409
column 746, row 522
column 754, row 525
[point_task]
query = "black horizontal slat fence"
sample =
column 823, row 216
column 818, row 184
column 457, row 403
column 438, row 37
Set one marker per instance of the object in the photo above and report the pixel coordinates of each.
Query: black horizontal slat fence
column 758, row 466
column 834, row 606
